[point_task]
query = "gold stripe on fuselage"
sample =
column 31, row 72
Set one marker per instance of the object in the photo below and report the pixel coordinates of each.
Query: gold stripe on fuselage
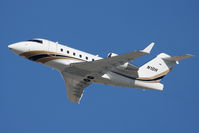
column 50, row 58
column 46, row 59
column 158, row 75
column 37, row 52
column 155, row 81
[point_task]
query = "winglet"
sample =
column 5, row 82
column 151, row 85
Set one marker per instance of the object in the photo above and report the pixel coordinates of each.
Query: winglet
column 148, row 48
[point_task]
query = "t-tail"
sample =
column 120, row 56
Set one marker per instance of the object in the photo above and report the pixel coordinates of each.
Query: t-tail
column 151, row 73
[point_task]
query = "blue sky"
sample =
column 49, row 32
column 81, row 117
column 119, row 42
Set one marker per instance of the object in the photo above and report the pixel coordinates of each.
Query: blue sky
column 33, row 97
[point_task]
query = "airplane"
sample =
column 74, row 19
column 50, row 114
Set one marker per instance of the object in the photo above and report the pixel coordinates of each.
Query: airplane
column 80, row 69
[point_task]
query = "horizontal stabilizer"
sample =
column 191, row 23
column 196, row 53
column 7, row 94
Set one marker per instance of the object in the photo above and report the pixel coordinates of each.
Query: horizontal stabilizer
column 145, row 85
column 148, row 48
column 177, row 58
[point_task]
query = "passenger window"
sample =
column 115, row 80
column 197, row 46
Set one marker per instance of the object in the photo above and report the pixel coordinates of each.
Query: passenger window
column 93, row 60
column 80, row 56
column 86, row 58
column 74, row 54
column 61, row 50
column 68, row 52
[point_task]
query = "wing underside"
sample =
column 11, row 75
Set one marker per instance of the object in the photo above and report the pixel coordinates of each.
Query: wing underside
column 74, row 87
column 76, row 75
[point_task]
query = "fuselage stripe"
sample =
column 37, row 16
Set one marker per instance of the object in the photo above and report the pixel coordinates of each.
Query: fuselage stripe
column 155, row 79
column 41, row 56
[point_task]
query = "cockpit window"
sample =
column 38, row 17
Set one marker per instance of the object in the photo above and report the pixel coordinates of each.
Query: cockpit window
column 35, row 40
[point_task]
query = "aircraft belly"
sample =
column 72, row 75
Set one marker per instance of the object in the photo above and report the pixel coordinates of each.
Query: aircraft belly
column 116, row 80
column 59, row 64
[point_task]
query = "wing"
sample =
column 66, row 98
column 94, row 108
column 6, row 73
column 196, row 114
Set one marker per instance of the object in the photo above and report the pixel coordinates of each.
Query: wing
column 74, row 87
column 103, row 65
column 75, row 75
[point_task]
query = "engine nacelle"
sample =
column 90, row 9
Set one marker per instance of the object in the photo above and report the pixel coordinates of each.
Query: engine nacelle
column 111, row 55
column 124, row 66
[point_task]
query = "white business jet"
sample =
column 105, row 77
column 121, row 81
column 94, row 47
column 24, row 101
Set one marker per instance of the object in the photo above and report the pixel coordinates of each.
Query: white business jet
column 80, row 69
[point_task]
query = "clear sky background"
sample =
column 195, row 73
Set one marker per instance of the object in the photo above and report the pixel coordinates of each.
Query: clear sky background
column 33, row 97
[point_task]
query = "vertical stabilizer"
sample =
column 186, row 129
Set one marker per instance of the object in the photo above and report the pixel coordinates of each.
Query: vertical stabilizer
column 158, row 67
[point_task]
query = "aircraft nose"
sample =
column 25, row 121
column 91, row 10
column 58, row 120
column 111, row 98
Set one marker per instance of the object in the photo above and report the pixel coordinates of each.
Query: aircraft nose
column 10, row 46
column 16, row 48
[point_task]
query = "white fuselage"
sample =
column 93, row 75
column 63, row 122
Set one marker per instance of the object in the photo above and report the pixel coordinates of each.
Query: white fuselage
column 60, row 57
